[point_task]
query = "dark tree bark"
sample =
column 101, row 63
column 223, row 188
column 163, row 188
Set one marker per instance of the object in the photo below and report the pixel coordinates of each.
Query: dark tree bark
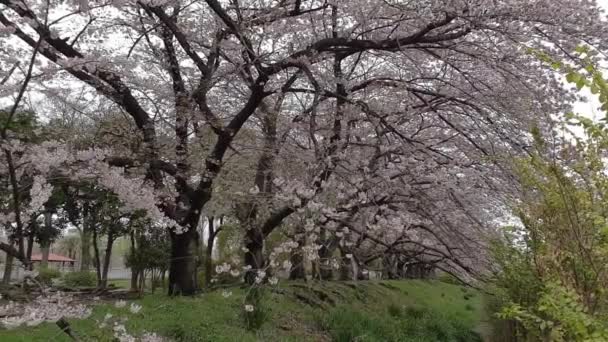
column 97, row 258
column 254, row 256
column 134, row 270
column 8, row 269
column 85, row 241
column 182, row 268
column 106, row 260
column 30, row 249
column 298, row 269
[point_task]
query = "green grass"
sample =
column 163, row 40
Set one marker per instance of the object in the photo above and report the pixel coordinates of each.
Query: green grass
column 340, row 311
column 122, row 283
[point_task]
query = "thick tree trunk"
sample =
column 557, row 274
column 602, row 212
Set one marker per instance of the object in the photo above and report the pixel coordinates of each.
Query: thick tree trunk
column 182, row 268
column 209, row 253
column 254, row 256
column 8, row 269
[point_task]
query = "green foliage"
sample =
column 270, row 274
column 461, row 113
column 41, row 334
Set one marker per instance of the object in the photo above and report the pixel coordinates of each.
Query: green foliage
column 46, row 275
column 554, row 268
column 345, row 324
column 559, row 316
column 22, row 123
column 153, row 252
column 255, row 312
column 79, row 279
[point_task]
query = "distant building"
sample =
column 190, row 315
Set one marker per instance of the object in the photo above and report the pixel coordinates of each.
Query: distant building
column 57, row 261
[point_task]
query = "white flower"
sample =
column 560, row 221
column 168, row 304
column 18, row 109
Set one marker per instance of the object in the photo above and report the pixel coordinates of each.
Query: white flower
column 234, row 273
column 135, row 308
column 287, row 265
column 226, row 294
column 120, row 304
column 225, row 267
column 245, row 249
column 273, row 280
column 107, row 316
column 249, row 308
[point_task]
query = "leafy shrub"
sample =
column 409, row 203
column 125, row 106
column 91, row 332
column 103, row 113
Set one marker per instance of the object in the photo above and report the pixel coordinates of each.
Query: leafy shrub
column 46, row 275
column 79, row 279
column 553, row 266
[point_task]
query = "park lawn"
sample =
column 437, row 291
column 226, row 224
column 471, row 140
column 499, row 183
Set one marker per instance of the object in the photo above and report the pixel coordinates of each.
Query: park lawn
column 339, row 311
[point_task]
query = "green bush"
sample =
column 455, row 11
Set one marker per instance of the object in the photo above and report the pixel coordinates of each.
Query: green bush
column 79, row 279
column 46, row 275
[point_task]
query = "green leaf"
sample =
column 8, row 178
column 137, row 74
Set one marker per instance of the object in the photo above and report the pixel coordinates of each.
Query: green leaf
column 580, row 83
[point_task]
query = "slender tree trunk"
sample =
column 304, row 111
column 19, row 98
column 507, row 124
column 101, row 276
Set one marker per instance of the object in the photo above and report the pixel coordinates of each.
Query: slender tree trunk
column 46, row 250
column 30, row 249
column 106, row 261
column 8, row 269
column 182, row 268
column 254, row 256
column 134, row 269
column 209, row 252
column 142, row 281
column 97, row 259
column 85, row 246
column 45, row 245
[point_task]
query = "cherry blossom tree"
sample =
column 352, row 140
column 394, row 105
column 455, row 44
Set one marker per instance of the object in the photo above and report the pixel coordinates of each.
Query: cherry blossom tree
column 417, row 99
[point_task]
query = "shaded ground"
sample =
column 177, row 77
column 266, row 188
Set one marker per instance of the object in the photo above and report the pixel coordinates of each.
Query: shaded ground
column 296, row 312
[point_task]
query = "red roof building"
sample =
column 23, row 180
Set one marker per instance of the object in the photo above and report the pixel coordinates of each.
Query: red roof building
column 55, row 261
column 52, row 258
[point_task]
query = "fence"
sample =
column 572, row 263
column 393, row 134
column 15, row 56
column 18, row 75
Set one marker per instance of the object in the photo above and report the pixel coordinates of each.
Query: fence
column 113, row 273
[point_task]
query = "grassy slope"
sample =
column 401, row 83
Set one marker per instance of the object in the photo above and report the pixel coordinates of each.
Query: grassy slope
column 210, row 317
